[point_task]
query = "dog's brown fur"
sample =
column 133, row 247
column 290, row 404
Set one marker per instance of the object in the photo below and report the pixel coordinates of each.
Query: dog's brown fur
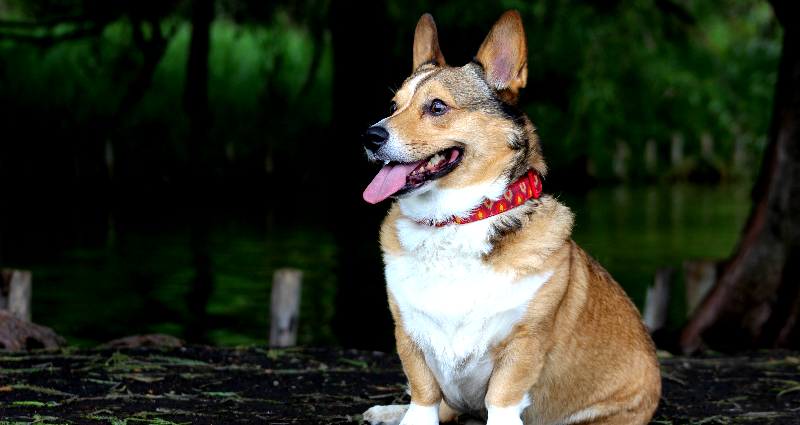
column 580, row 351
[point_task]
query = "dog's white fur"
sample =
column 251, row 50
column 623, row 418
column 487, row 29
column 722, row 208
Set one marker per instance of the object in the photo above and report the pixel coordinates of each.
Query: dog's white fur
column 433, row 203
column 446, row 270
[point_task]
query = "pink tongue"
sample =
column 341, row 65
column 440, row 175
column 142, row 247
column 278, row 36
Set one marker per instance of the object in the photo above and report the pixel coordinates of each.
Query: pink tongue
column 389, row 180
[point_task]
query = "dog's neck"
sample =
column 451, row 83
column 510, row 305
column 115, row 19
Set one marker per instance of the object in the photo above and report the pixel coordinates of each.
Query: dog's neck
column 526, row 187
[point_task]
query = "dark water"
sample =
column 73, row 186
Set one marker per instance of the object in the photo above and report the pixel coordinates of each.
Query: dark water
column 634, row 231
column 106, row 273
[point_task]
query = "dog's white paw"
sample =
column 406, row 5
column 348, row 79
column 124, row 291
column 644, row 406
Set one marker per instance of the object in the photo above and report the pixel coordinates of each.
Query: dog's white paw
column 507, row 415
column 385, row 415
column 421, row 415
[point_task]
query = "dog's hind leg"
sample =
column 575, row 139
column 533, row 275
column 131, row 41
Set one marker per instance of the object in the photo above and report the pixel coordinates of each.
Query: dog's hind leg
column 385, row 415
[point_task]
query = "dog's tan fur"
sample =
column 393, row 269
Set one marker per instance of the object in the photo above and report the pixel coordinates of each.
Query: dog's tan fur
column 580, row 351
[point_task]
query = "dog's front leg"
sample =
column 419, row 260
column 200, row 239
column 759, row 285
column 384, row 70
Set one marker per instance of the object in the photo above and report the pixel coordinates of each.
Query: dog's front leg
column 425, row 391
column 516, row 370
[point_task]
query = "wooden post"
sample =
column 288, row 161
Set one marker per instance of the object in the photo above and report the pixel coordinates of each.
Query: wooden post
column 621, row 156
column 15, row 292
column 699, row 277
column 655, row 306
column 285, row 310
column 676, row 150
column 707, row 146
column 651, row 157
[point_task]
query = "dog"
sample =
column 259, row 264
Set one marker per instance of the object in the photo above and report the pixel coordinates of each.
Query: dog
column 499, row 315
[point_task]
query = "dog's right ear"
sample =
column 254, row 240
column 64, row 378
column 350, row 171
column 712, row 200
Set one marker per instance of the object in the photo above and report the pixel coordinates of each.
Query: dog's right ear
column 426, row 43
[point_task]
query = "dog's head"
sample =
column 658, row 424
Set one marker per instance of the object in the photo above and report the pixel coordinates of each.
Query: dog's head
column 455, row 130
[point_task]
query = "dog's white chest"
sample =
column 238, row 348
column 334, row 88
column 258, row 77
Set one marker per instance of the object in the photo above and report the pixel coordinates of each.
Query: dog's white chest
column 454, row 306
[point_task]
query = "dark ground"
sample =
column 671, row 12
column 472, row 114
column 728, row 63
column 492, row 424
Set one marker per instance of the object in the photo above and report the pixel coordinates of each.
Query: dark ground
column 252, row 385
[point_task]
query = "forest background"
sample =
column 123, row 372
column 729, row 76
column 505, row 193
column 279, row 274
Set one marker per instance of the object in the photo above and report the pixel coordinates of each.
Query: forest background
column 124, row 120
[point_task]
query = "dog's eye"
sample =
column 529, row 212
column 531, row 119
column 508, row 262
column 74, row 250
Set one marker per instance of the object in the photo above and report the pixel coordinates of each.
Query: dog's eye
column 392, row 107
column 438, row 107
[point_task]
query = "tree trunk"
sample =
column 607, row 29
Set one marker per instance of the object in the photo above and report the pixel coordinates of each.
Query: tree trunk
column 195, row 103
column 153, row 50
column 364, row 69
column 195, row 94
column 756, row 300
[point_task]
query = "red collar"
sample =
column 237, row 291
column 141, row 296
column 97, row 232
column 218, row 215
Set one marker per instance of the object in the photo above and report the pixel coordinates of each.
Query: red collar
column 527, row 187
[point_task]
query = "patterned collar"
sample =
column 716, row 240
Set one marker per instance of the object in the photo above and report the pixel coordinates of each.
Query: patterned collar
column 527, row 187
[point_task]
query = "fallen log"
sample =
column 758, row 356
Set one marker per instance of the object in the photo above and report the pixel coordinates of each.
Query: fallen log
column 19, row 334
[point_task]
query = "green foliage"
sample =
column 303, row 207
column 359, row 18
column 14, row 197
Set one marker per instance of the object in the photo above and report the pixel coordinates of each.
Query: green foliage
column 30, row 403
column 67, row 84
column 72, row 90
column 638, row 72
column 600, row 72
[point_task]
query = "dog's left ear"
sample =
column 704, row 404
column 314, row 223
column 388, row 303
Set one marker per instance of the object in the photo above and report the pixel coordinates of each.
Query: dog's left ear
column 504, row 54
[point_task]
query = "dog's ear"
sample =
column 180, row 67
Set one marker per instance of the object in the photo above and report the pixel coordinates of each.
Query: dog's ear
column 426, row 43
column 504, row 54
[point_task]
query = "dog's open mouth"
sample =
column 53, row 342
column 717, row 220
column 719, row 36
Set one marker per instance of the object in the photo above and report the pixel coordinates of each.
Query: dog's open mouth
column 396, row 178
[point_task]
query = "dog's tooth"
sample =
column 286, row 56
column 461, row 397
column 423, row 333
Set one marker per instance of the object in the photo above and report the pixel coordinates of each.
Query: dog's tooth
column 434, row 161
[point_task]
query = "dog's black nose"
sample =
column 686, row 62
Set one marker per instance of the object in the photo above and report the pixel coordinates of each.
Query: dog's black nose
column 374, row 138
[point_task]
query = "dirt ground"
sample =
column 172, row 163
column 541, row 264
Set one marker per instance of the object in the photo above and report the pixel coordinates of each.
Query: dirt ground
column 254, row 385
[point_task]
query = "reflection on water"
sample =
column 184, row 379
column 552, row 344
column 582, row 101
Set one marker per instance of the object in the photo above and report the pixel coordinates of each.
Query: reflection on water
column 97, row 281
column 145, row 279
column 634, row 231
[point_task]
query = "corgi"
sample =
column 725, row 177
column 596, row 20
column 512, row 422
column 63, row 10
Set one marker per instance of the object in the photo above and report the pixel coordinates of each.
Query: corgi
column 499, row 315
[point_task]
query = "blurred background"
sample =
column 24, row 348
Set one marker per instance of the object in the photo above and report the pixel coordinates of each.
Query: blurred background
column 159, row 160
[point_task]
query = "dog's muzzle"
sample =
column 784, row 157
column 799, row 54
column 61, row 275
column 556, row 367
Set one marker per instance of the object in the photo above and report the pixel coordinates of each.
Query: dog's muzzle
column 374, row 138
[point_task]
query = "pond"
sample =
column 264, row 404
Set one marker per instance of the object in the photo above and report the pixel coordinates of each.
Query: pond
column 103, row 275
column 634, row 231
